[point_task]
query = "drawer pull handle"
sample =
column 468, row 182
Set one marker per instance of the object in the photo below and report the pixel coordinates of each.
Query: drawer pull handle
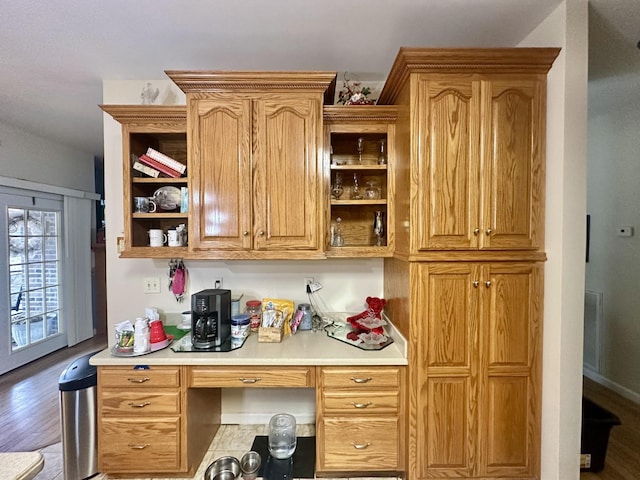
column 360, row 446
column 139, row 405
column 361, row 380
column 360, row 405
column 250, row 380
column 139, row 380
column 139, row 447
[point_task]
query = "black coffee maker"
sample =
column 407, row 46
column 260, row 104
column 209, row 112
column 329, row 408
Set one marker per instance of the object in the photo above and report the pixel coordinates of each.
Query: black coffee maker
column 210, row 318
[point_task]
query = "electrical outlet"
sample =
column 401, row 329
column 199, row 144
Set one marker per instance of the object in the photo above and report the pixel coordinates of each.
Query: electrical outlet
column 585, row 460
column 307, row 281
column 151, row 285
column 217, row 282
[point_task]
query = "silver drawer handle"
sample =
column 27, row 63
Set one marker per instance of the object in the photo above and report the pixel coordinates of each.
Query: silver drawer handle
column 360, row 446
column 139, row 447
column 139, row 405
column 361, row 380
column 139, row 380
column 250, row 380
column 360, row 405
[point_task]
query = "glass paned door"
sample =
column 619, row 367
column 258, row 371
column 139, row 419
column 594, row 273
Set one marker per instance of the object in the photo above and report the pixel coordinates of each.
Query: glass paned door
column 34, row 263
column 31, row 256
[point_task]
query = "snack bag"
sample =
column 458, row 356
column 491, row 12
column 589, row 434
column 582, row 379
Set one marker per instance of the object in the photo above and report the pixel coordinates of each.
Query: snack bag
column 285, row 306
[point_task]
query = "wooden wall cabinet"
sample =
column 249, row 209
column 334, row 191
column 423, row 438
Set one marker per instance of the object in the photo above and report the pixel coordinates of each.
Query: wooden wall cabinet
column 345, row 168
column 255, row 161
column 163, row 128
column 465, row 283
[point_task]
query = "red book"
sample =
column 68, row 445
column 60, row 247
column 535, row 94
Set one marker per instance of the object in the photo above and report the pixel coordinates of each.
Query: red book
column 147, row 160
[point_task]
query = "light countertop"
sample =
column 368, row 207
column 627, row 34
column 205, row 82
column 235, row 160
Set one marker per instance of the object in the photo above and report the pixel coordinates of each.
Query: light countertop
column 303, row 348
column 20, row 465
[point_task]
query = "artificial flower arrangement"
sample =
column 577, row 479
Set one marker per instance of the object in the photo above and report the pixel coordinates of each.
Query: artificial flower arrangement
column 353, row 93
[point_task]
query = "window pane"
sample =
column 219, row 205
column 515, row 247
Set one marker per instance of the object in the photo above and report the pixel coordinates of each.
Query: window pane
column 34, row 249
column 36, row 329
column 36, row 302
column 51, row 273
column 16, row 224
column 35, row 275
column 51, row 248
column 51, row 295
column 16, row 250
column 16, row 278
column 53, row 326
column 50, row 223
column 34, row 223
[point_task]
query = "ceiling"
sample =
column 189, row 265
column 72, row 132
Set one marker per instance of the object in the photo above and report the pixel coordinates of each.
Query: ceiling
column 54, row 55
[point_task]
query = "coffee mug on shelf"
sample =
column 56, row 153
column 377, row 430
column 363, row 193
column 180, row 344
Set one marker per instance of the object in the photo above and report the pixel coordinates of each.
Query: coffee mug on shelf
column 144, row 205
column 157, row 238
column 174, row 238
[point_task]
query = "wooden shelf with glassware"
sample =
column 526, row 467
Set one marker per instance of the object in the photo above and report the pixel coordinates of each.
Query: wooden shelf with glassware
column 360, row 154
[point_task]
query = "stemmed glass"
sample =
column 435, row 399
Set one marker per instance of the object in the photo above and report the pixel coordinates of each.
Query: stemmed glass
column 337, row 189
column 360, row 148
column 338, row 239
column 356, row 194
column 378, row 227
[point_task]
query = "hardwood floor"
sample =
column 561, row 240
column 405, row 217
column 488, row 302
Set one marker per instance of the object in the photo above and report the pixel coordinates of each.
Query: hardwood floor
column 622, row 460
column 29, row 399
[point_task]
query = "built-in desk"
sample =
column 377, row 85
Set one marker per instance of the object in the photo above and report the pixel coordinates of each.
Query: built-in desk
column 158, row 413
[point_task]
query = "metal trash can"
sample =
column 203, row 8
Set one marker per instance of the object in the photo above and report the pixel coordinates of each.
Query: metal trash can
column 77, row 385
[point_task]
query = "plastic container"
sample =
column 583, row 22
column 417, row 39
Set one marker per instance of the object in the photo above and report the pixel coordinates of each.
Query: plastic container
column 596, row 426
column 254, row 309
column 240, row 325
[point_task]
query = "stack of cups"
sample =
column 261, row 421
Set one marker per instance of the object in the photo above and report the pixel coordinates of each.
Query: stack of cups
column 141, row 336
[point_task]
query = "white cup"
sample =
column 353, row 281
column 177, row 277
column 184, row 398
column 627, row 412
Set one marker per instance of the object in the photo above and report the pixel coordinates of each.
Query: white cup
column 174, row 238
column 157, row 238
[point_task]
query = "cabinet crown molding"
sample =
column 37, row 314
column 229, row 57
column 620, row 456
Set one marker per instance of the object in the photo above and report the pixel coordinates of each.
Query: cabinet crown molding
column 216, row 80
column 464, row 60
column 360, row 113
column 126, row 114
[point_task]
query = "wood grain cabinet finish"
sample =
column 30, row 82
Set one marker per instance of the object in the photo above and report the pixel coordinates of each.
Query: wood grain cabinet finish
column 359, row 420
column 255, row 161
column 252, row 377
column 465, row 284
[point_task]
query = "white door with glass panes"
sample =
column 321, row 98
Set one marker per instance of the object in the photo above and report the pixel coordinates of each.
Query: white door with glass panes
column 31, row 260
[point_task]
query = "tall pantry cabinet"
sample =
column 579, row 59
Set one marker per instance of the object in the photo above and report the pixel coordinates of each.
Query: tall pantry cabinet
column 465, row 285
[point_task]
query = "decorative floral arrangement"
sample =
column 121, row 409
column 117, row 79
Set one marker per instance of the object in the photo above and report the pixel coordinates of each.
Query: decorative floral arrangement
column 353, row 93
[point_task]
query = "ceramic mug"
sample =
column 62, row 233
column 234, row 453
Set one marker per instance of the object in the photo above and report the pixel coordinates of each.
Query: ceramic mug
column 157, row 238
column 174, row 238
column 144, row 205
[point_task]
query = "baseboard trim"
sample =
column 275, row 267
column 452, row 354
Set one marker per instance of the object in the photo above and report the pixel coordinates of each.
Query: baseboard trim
column 619, row 389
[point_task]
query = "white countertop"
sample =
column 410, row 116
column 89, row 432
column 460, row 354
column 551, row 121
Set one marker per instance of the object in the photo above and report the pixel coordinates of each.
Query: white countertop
column 20, row 465
column 303, row 348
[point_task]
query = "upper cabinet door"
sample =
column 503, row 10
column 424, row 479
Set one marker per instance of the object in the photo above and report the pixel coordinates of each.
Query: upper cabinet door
column 447, row 166
column 285, row 172
column 513, row 169
column 220, row 156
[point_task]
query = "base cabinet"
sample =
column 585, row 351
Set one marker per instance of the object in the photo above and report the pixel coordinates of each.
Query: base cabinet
column 359, row 424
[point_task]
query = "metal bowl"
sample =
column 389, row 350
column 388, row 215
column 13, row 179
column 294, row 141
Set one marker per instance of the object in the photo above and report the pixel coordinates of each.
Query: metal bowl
column 250, row 464
column 224, row 468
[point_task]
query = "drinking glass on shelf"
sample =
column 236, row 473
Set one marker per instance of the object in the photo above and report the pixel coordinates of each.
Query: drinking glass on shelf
column 378, row 227
column 372, row 192
column 356, row 194
column 338, row 239
column 360, row 148
column 337, row 189
column 382, row 158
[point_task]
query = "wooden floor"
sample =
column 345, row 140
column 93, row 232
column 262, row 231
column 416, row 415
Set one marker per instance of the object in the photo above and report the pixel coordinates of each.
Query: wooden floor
column 29, row 399
column 623, row 458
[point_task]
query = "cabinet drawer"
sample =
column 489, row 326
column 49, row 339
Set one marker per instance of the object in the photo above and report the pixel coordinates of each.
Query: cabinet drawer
column 360, row 444
column 139, row 402
column 360, row 402
column 360, row 377
column 139, row 445
column 252, row 377
column 131, row 378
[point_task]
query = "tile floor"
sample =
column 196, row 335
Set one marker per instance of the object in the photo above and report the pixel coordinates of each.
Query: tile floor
column 230, row 440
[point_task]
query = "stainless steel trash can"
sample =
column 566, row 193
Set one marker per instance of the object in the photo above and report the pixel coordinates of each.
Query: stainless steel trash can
column 77, row 385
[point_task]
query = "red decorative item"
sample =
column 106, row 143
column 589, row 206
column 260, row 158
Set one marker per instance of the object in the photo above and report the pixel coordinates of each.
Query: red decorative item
column 375, row 306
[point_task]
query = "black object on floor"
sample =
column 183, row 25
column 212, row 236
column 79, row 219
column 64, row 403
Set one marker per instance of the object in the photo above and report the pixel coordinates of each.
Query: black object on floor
column 301, row 465
column 596, row 425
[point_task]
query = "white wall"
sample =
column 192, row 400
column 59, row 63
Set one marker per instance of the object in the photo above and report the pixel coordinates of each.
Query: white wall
column 346, row 282
column 27, row 156
column 613, row 199
column 565, row 238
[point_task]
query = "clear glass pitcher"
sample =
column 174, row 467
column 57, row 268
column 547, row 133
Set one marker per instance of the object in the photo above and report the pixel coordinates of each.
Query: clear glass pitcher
column 282, row 435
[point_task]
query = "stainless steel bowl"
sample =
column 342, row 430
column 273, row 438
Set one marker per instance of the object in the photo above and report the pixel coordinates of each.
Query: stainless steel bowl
column 250, row 464
column 224, row 468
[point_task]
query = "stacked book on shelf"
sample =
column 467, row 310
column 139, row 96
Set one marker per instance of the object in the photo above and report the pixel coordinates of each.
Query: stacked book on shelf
column 155, row 164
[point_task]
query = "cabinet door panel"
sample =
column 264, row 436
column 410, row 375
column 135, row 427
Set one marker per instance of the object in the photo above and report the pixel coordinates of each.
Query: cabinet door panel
column 221, row 186
column 513, row 165
column 448, row 163
column 285, row 170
